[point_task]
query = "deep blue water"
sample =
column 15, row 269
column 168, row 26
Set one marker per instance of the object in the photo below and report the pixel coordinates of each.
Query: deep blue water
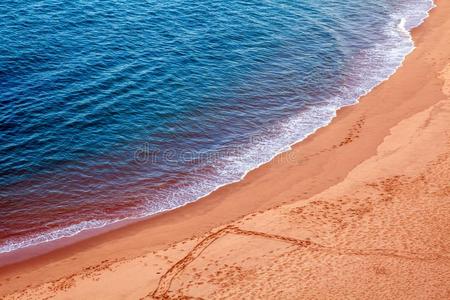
column 115, row 109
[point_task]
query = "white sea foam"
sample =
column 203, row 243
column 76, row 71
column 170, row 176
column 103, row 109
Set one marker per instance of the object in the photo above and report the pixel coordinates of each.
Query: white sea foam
column 381, row 62
column 54, row 235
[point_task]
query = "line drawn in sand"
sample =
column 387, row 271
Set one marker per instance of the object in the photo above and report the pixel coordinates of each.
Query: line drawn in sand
column 161, row 291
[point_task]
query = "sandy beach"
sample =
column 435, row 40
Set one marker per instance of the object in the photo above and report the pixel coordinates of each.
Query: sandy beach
column 358, row 210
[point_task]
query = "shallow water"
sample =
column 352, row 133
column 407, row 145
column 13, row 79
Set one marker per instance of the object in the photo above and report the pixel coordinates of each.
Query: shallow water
column 110, row 110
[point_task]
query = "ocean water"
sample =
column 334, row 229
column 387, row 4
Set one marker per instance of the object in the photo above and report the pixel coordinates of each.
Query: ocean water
column 122, row 109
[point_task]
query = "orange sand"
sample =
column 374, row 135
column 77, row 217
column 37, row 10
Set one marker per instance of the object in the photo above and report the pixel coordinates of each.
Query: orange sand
column 359, row 210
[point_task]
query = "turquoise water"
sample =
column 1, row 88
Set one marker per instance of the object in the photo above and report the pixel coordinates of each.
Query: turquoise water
column 114, row 109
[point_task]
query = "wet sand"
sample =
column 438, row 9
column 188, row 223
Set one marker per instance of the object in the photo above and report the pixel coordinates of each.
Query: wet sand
column 360, row 209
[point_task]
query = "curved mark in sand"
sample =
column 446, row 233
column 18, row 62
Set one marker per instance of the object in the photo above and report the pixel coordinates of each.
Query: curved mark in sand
column 166, row 279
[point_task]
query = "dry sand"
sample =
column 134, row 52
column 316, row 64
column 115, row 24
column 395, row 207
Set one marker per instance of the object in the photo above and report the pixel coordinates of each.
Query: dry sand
column 361, row 209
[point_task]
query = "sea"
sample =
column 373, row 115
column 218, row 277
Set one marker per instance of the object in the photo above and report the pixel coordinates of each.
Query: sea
column 120, row 110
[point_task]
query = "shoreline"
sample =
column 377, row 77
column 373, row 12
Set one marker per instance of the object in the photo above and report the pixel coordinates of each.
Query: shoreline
column 34, row 249
column 321, row 161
